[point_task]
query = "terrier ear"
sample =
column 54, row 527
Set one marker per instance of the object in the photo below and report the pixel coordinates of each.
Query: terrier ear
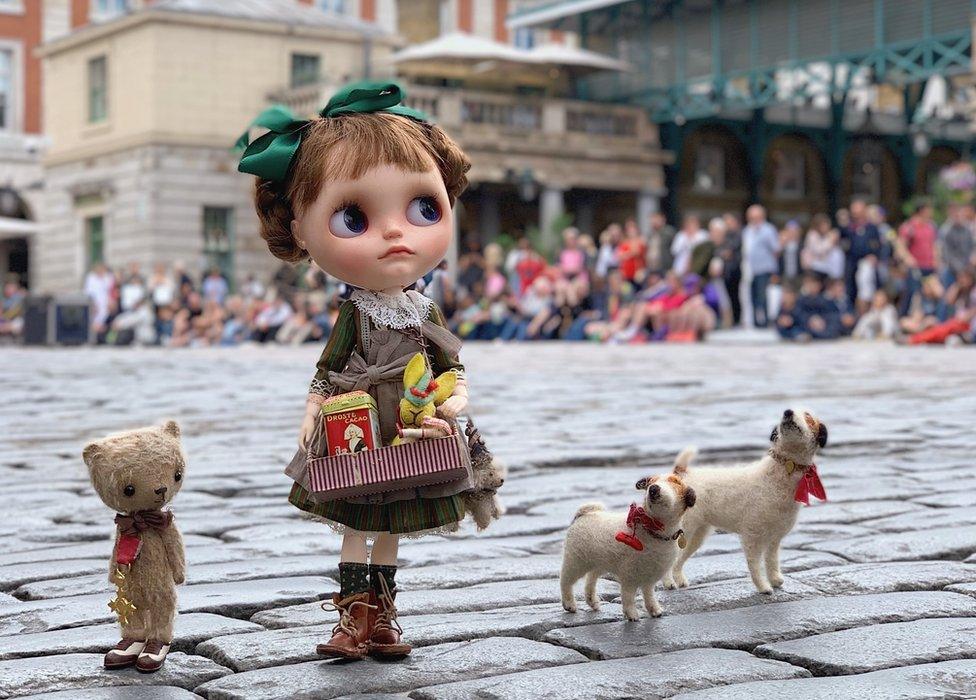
column 171, row 427
column 690, row 497
column 642, row 484
column 774, row 436
column 822, row 435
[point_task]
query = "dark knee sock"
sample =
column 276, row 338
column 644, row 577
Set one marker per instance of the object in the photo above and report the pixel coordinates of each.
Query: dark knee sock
column 353, row 578
column 387, row 571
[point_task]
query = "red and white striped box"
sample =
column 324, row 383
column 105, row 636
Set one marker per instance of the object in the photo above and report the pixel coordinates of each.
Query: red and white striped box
column 411, row 465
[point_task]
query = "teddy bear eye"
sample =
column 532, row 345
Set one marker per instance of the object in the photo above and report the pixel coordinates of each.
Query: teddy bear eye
column 178, row 476
column 129, row 490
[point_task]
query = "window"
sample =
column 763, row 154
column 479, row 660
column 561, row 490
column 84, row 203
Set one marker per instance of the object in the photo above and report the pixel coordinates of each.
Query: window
column 6, row 89
column 95, row 239
column 866, row 178
column 710, row 169
column 105, row 9
column 790, row 173
column 337, row 6
column 304, row 69
column 524, row 38
column 218, row 240
column 97, row 89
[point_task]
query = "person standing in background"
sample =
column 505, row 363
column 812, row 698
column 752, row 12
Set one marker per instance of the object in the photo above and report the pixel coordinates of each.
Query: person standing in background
column 919, row 236
column 100, row 287
column 731, row 254
column 957, row 243
column 690, row 235
column 760, row 245
column 659, row 259
column 861, row 240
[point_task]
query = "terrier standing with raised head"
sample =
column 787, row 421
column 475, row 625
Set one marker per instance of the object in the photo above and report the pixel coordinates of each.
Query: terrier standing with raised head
column 638, row 547
column 759, row 501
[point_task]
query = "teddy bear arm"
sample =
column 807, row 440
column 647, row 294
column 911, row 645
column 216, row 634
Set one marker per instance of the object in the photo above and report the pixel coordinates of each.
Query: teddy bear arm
column 175, row 555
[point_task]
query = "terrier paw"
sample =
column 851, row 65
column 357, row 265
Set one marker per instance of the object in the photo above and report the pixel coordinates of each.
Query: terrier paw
column 669, row 583
column 776, row 580
column 632, row 615
column 765, row 590
column 681, row 580
column 569, row 606
column 594, row 604
column 655, row 611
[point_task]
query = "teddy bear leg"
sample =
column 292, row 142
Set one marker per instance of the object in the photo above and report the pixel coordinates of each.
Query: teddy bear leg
column 160, row 635
column 133, row 641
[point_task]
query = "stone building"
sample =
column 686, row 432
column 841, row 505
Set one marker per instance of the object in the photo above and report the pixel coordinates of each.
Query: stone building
column 142, row 108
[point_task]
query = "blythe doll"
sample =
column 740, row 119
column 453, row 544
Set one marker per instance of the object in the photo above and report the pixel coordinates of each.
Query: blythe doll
column 365, row 190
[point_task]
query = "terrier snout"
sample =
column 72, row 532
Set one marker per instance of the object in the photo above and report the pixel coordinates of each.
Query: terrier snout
column 788, row 414
column 161, row 491
column 653, row 492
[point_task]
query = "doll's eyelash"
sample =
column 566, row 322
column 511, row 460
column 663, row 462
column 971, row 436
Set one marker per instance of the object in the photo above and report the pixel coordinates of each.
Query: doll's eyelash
column 346, row 205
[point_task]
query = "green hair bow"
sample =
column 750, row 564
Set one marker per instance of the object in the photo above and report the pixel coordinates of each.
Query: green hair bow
column 270, row 155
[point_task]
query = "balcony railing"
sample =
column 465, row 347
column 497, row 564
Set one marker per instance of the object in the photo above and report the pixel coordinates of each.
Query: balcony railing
column 478, row 117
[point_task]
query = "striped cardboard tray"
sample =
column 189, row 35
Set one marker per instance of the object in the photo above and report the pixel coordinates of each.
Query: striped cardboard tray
column 415, row 464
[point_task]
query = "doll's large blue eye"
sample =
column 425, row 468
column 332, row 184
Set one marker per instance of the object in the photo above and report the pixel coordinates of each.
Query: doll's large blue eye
column 423, row 211
column 348, row 222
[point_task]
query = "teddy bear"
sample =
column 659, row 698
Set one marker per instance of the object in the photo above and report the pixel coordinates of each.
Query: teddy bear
column 136, row 473
column 488, row 474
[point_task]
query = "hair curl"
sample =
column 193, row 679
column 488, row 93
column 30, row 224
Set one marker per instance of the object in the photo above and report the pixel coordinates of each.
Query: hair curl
column 345, row 147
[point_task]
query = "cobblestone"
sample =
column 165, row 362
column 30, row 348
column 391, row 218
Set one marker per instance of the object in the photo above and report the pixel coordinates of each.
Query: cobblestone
column 879, row 601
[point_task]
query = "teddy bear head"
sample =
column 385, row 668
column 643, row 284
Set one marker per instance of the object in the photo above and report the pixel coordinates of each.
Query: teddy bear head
column 138, row 469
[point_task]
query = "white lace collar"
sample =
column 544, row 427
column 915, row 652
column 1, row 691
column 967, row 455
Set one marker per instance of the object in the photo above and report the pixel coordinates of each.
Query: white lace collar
column 403, row 310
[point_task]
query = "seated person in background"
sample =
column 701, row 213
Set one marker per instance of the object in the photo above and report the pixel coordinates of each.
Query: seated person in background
column 12, row 310
column 837, row 293
column 808, row 315
column 533, row 314
column 880, row 322
column 927, row 309
column 962, row 325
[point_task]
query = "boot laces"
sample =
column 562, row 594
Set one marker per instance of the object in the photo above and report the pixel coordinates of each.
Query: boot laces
column 386, row 618
column 344, row 609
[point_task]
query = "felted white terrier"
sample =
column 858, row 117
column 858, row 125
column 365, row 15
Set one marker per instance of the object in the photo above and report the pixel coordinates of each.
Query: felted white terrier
column 638, row 547
column 759, row 501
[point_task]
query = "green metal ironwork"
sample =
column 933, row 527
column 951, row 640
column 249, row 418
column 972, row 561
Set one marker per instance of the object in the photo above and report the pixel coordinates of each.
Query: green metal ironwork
column 790, row 75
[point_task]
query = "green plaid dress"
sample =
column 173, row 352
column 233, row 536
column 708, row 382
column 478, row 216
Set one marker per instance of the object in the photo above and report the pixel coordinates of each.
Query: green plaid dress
column 400, row 517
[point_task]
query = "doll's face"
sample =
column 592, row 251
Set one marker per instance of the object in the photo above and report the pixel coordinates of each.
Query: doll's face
column 386, row 229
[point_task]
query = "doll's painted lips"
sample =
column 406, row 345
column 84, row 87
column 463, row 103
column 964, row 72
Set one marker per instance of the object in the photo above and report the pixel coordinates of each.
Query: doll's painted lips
column 397, row 250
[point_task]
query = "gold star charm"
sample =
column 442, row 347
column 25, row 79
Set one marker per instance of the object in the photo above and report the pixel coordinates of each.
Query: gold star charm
column 122, row 607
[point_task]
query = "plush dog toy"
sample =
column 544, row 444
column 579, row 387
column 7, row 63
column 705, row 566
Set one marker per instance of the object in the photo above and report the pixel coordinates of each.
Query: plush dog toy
column 422, row 394
column 638, row 547
column 136, row 473
column 758, row 501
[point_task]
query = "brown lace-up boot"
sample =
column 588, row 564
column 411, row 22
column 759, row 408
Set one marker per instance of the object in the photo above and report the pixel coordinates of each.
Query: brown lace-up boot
column 385, row 638
column 350, row 637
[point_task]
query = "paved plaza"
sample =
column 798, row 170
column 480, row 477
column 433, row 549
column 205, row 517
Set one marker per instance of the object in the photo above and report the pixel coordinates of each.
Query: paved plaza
column 880, row 592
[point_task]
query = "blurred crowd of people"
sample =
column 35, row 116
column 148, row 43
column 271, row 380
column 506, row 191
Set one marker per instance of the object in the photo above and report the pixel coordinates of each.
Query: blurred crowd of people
column 850, row 275
column 853, row 275
column 168, row 307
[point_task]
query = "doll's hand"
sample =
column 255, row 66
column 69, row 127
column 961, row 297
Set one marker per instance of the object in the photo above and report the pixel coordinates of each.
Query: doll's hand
column 305, row 434
column 453, row 406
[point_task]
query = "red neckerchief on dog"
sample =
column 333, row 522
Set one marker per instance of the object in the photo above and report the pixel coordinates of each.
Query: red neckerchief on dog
column 638, row 516
column 810, row 485
column 130, row 526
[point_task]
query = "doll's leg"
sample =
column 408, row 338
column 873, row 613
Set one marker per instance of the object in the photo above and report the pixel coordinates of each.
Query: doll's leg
column 385, row 639
column 350, row 638
column 353, row 572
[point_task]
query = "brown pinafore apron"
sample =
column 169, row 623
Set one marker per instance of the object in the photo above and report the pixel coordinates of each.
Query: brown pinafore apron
column 380, row 372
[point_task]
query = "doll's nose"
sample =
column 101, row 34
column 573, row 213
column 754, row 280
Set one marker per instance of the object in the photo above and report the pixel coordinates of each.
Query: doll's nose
column 392, row 232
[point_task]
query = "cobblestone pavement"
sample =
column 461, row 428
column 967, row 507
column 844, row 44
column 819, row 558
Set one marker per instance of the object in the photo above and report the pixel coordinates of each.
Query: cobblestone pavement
column 880, row 598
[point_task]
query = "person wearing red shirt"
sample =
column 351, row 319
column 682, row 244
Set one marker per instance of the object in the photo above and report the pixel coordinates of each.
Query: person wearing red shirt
column 919, row 235
column 631, row 253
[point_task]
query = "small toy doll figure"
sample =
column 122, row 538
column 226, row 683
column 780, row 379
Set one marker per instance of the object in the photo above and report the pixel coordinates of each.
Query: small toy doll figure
column 365, row 190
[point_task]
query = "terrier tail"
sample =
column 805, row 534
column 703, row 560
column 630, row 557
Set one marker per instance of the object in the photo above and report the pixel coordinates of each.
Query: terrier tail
column 683, row 460
column 588, row 508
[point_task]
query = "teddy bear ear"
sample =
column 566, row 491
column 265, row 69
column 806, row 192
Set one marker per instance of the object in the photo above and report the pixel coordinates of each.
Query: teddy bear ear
column 172, row 428
column 90, row 454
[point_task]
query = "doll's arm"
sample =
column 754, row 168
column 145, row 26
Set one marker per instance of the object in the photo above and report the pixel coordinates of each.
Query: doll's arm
column 175, row 554
column 342, row 340
column 442, row 361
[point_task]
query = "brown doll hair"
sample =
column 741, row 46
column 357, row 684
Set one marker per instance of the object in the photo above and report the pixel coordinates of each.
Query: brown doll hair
column 345, row 147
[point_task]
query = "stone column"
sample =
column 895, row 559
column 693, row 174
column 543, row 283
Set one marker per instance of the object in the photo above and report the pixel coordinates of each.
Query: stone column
column 647, row 203
column 551, row 207
column 489, row 222
column 585, row 212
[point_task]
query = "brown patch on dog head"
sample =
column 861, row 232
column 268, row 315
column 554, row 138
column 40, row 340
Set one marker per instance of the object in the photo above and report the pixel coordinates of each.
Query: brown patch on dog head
column 817, row 428
column 645, row 482
column 682, row 490
column 812, row 422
